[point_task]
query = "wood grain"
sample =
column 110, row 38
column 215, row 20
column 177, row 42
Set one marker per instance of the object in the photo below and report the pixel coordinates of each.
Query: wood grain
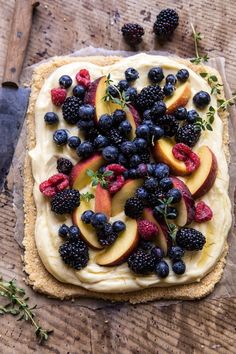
column 206, row 326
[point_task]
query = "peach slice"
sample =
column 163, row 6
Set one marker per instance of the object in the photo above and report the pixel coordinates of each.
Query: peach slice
column 127, row 191
column 162, row 240
column 118, row 252
column 102, row 201
column 180, row 98
column 201, row 181
column 78, row 177
column 186, row 207
column 162, row 152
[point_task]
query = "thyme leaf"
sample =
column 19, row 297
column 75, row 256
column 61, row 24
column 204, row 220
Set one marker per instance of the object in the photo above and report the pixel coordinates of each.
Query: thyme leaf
column 122, row 99
column 197, row 36
column 99, row 177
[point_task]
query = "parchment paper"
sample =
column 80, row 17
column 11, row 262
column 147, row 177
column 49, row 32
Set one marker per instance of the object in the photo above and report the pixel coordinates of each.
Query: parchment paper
column 227, row 286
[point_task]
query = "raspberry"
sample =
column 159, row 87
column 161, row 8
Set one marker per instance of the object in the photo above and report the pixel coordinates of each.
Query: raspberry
column 147, row 229
column 54, row 184
column 202, row 212
column 184, row 153
column 116, row 185
column 83, row 77
column 116, row 168
column 58, row 96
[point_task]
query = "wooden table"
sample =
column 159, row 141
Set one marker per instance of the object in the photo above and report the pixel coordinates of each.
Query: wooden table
column 206, row 326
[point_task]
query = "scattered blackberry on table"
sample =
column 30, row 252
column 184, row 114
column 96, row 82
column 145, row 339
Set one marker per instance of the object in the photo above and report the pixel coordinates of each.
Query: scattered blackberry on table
column 74, row 142
column 179, row 267
column 86, row 112
column 106, row 236
column 85, row 149
column 128, row 148
column 190, row 239
column 64, row 166
column 134, row 161
column 156, row 75
column 182, row 75
column 188, row 134
column 118, row 226
column 123, row 85
column 148, row 96
column 169, row 124
column 115, row 137
column 75, row 254
column 118, row 116
column 158, row 109
column 70, row 109
column 131, row 74
column 63, row 231
column 60, row 137
column 162, row 269
column 171, row 79
column 169, row 89
column 125, row 128
column 79, row 91
column 133, row 207
column 100, row 141
column 65, row 81
column 105, row 123
column 201, row 99
column 86, row 216
column 110, row 153
column 161, row 170
column 192, row 116
column 98, row 220
column 131, row 94
column 175, row 194
column 66, row 201
column 74, row 233
column 51, row 118
column 157, row 253
column 180, row 113
column 166, row 23
column 141, row 262
column 176, row 253
column 132, row 33
column 166, row 184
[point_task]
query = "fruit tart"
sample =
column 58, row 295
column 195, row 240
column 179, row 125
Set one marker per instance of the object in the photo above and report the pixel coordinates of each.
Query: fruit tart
column 126, row 179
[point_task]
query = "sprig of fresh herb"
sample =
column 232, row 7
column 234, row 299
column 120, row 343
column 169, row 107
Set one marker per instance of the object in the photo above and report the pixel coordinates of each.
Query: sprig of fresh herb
column 206, row 123
column 99, row 177
column 197, row 36
column 224, row 104
column 163, row 209
column 87, row 196
column 213, row 82
column 18, row 306
column 122, row 99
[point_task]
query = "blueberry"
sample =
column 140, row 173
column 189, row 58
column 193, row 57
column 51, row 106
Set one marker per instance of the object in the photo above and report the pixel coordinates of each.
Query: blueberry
column 192, row 116
column 161, row 171
column 118, row 226
column 175, row 194
column 140, row 144
column 126, row 174
column 171, row 79
column 155, row 75
column 63, row 231
column 201, row 99
column 118, row 116
column 141, row 193
column 151, row 169
column 180, row 113
column 98, row 220
column 125, row 127
column 74, row 233
column 105, row 123
column 122, row 160
column 65, row 81
column 85, row 149
column 182, row 75
column 158, row 211
column 162, row 269
column 157, row 253
column 128, row 148
column 102, row 169
column 151, row 184
column 166, row 184
column 51, row 118
column 142, row 170
column 147, row 114
column 131, row 94
column 110, row 153
column 85, row 125
column 159, row 109
column 134, row 160
column 143, row 131
column 157, row 132
column 148, row 122
column 113, row 91
column 145, row 245
column 132, row 173
column 179, row 267
column 79, row 91
column 100, row 141
column 60, row 137
column 131, row 74
column 74, row 142
column 123, row 85
column 86, row 112
column 175, row 253
column 169, row 89
column 86, row 216
column 172, row 213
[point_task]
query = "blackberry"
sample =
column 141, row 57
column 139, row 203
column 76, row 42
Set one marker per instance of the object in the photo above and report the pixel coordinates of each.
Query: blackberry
column 115, row 137
column 165, row 24
column 145, row 156
column 190, row 239
column 188, row 134
column 152, row 199
column 65, row 201
column 70, row 109
column 132, row 33
column 169, row 124
column 133, row 207
column 91, row 134
column 75, row 254
column 145, row 245
column 148, row 96
column 141, row 262
column 64, row 166
column 106, row 236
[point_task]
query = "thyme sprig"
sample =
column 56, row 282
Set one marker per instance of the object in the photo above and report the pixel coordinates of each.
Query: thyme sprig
column 122, row 99
column 206, row 123
column 87, row 196
column 224, row 104
column 99, row 177
column 163, row 208
column 18, row 306
column 213, row 82
column 197, row 36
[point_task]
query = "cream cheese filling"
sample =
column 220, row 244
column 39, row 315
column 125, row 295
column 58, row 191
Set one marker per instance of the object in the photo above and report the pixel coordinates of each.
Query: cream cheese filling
column 44, row 155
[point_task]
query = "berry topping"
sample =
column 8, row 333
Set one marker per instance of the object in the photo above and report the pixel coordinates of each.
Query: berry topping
column 182, row 75
column 131, row 94
column 190, row 239
column 157, row 253
column 188, row 134
column 116, row 185
column 161, row 170
column 134, row 207
column 141, row 262
column 131, row 74
column 110, row 153
column 65, row 201
column 118, row 226
column 201, row 99
column 132, row 33
column 169, row 89
column 169, row 124
column 123, row 85
column 86, row 112
column 74, row 233
column 156, row 75
column 75, row 254
column 162, row 269
column 58, row 96
column 70, row 109
column 106, row 235
column 158, row 109
column 179, row 267
column 54, row 184
column 85, row 149
column 65, row 81
column 165, row 24
column 192, row 116
column 60, row 137
column 74, row 142
column 128, row 148
column 171, row 79
column 83, row 78
column 175, row 253
column 51, row 118
column 86, row 216
column 98, row 220
column 105, row 123
column 118, row 116
column 166, row 184
column 116, row 169
column 64, row 166
column 148, row 96
column 202, row 212
column 183, row 153
column 63, row 231
column 125, row 128
column 115, row 137
column 174, row 194
column 79, row 91
column 147, row 229
column 180, row 113
column 151, row 184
